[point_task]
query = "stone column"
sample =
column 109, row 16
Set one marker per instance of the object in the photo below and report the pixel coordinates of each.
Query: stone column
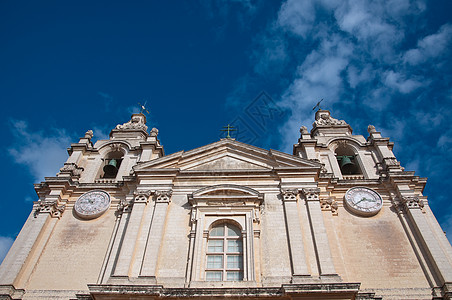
column 297, row 251
column 44, row 212
column 126, row 253
column 123, row 214
column 439, row 258
column 149, row 265
column 319, row 236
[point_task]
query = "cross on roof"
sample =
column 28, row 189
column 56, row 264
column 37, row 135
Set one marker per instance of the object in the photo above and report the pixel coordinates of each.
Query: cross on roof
column 228, row 128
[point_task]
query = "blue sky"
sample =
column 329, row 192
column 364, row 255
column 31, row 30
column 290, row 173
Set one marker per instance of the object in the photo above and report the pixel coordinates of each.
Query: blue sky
column 67, row 67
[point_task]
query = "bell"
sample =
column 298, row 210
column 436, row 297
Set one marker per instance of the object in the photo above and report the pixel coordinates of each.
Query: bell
column 347, row 166
column 111, row 169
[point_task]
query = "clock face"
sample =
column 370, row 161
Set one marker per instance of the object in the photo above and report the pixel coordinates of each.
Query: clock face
column 92, row 204
column 363, row 201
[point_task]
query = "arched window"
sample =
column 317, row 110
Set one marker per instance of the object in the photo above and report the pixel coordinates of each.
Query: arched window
column 112, row 162
column 347, row 161
column 224, row 253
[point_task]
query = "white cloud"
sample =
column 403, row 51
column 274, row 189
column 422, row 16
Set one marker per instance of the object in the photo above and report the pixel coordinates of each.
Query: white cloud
column 5, row 244
column 101, row 133
column 297, row 17
column 430, row 46
column 399, row 82
column 43, row 153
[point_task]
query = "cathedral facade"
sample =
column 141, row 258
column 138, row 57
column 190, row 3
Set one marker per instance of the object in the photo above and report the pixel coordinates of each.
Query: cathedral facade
column 337, row 219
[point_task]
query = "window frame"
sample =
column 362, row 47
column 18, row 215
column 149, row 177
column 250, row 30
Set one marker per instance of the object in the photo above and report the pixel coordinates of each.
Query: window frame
column 225, row 253
column 238, row 205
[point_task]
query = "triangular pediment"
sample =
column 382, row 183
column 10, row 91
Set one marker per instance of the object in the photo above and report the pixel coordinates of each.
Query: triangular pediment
column 227, row 154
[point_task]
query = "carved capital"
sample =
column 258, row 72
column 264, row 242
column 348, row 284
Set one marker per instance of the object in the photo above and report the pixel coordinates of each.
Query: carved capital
column 142, row 196
column 329, row 204
column 289, row 195
column 124, row 206
column 412, row 202
column 50, row 207
column 311, row 194
column 163, row 196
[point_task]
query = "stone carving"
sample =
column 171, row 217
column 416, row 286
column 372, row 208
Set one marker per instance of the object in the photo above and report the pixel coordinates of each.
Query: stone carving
column 390, row 162
column 163, row 196
column 289, row 195
column 115, row 147
column 256, row 218
column 323, row 118
column 124, row 206
column 50, row 207
column 193, row 216
column 329, row 204
column 137, row 122
column 371, row 129
column 412, row 202
column 154, row 132
column 304, row 130
column 142, row 196
column 311, row 194
column 89, row 134
column 71, row 169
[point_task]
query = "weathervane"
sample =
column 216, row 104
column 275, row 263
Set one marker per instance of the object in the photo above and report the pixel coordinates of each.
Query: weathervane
column 228, row 128
column 317, row 105
column 143, row 107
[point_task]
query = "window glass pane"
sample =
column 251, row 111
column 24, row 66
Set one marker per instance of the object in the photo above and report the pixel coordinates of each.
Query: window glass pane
column 214, row 261
column 233, row 231
column 215, row 246
column 217, row 231
column 235, row 246
column 234, row 276
column 214, row 276
column 234, row 261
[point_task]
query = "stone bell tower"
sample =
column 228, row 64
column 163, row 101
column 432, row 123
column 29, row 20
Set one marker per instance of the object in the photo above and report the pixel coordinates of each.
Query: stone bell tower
column 103, row 166
column 355, row 164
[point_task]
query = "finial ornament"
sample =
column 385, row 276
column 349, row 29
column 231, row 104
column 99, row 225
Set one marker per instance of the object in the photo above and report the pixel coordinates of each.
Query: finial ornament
column 304, row 130
column 317, row 105
column 371, row 128
column 228, row 128
column 89, row 134
column 143, row 108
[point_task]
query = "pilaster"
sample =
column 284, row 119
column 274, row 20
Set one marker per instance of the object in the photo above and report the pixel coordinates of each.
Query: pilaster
column 442, row 264
column 149, row 265
column 126, row 254
column 320, row 238
column 297, row 251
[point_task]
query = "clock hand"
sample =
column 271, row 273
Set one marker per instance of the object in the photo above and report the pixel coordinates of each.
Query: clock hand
column 363, row 199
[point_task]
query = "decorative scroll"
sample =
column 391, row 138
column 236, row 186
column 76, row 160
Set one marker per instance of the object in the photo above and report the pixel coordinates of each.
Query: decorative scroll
column 311, row 194
column 329, row 204
column 412, row 202
column 138, row 121
column 163, row 196
column 71, row 169
column 50, row 207
column 124, row 206
column 323, row 118
column 142, row 196
column 289, row 195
